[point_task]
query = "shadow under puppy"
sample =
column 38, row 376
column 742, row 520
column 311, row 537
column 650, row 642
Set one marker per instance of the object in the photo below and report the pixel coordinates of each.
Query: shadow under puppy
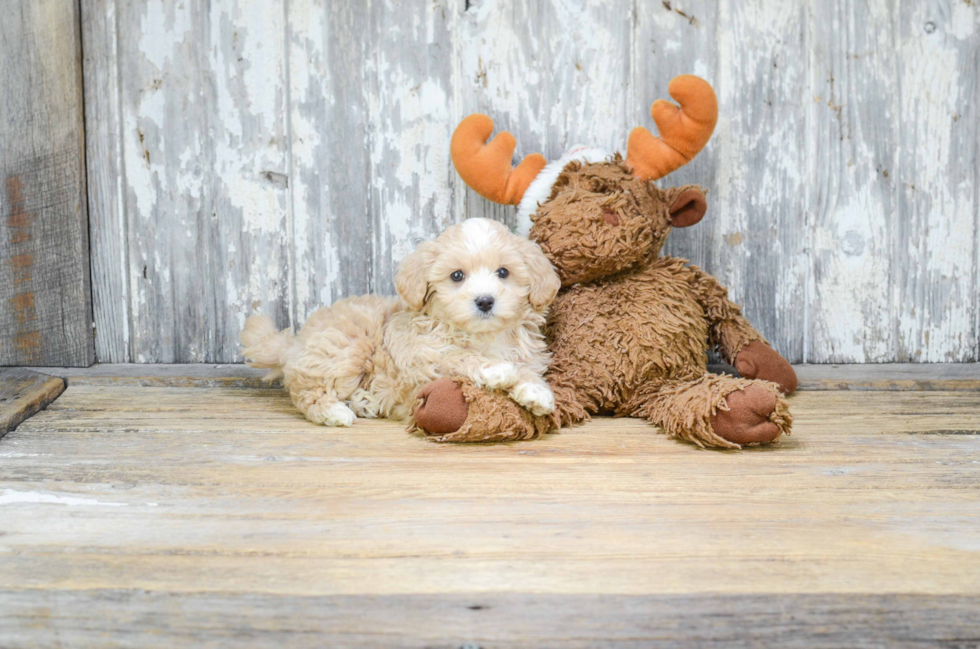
column 472, row 305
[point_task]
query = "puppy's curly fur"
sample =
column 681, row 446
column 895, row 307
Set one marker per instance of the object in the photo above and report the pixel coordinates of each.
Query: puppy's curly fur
column 472, row 304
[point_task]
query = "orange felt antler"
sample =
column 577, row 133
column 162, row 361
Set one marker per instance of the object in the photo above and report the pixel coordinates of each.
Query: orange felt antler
column 486, row 166
column 683, row 131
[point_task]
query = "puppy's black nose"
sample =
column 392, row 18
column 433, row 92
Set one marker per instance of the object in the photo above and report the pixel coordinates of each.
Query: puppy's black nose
column 484, row 303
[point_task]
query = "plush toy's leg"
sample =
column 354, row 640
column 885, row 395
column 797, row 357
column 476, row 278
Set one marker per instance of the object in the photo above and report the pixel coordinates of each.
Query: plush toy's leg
column 457, row 411
column 715, row 410
column 737, row 340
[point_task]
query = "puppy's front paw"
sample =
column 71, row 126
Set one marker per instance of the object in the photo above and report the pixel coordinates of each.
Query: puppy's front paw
column 497, row 376
column 334, row 414
column 535, row 396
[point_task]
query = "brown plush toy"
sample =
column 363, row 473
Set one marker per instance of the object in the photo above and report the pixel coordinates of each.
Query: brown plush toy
column 629, row 329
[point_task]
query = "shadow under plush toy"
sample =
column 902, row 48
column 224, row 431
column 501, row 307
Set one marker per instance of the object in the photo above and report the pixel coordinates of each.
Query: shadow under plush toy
column 629, row 329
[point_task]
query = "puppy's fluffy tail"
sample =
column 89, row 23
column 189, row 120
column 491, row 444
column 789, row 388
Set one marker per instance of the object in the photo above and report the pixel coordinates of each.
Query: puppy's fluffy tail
column 265, row 346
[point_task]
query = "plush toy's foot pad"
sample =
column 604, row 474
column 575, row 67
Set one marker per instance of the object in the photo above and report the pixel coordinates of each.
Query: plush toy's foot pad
column 747, row 421
column 459, row 411
column 760, row 361
column 442, row 407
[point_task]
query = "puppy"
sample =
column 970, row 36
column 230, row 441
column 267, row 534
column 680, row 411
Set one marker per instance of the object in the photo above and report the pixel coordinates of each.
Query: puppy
column 472, row 304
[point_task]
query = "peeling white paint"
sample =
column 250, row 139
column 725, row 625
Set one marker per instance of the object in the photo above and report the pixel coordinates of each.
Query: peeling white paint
column 164, row 26
column 252, row 66
column 421, row 148
column 316, row 261
column 936, row 198
column 794, row 171
column 852, row 163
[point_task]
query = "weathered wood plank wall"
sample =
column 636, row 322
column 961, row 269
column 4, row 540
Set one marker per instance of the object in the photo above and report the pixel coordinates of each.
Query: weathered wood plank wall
column 279, row 155
column 45, row 292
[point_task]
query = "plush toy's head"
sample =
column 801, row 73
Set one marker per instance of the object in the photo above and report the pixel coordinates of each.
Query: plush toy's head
column 601, row 219
column 595, row 214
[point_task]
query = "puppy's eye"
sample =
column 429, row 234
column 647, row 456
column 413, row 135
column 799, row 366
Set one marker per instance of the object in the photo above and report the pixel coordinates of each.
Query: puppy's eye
column 502, row 273
column 457, row 276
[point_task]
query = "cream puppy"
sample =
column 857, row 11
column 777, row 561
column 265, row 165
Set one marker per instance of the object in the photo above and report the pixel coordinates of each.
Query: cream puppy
column 472, row 304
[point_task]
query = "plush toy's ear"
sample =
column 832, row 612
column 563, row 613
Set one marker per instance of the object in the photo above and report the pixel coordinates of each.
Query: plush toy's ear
column 687, row 207
column 410, row 280
column 544, row 281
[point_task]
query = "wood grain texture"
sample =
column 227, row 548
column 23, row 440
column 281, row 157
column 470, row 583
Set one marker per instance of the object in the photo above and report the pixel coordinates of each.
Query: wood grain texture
column 890, row 376
column 555, row 74
column 938, row 45
column 466, row 620
column 106, row 181
column 208, row 514
column 183, row 375
column 409, row 93
column 23, row 393
column 843, row 177
column 332, row 247
column 760, row 173
column 681, row 38
column 45, row 290
column 877, row 377
column 372, row 97
column 200, row 105
column 853, row 143
column 753, row 238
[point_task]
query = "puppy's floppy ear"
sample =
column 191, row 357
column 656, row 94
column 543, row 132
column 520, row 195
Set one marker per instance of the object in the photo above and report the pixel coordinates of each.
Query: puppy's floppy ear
column 542, row 278
column 410, row 280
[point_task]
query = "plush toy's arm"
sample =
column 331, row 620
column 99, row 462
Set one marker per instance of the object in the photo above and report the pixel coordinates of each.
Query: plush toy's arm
column 456, row 410
column 737, row 340
column 729, row 330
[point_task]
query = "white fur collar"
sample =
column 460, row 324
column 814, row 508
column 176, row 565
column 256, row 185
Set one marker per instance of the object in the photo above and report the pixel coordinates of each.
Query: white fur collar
column 540, row 188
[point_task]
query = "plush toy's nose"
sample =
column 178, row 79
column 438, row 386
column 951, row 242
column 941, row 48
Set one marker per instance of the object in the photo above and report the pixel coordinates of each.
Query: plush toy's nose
column 484, row 303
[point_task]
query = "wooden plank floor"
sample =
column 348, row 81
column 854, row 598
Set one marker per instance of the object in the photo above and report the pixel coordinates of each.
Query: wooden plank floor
column 178, row 516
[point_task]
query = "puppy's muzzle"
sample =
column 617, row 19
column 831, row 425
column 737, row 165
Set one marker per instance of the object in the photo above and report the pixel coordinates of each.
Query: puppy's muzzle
column 484, row 303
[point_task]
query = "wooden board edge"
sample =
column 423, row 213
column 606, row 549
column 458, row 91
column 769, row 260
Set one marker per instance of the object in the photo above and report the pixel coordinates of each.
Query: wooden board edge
column 891, row 385
column 164, row 376
column 35, row 617
column 24, row 393
column 936, row 377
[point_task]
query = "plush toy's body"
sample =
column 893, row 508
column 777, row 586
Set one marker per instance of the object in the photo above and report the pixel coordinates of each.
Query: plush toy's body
column 630, row 329
column 642, row 353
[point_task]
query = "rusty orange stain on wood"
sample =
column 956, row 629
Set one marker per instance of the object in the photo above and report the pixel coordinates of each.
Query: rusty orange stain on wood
column 22, row 261
column 28, row 344
column 18, row 217
column 15, row 191
column 19, row 220
column 24, row 309
column 27, row 339
column 22, row 267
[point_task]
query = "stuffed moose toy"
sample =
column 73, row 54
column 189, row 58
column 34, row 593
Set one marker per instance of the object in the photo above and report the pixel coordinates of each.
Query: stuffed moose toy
column 629, row 329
